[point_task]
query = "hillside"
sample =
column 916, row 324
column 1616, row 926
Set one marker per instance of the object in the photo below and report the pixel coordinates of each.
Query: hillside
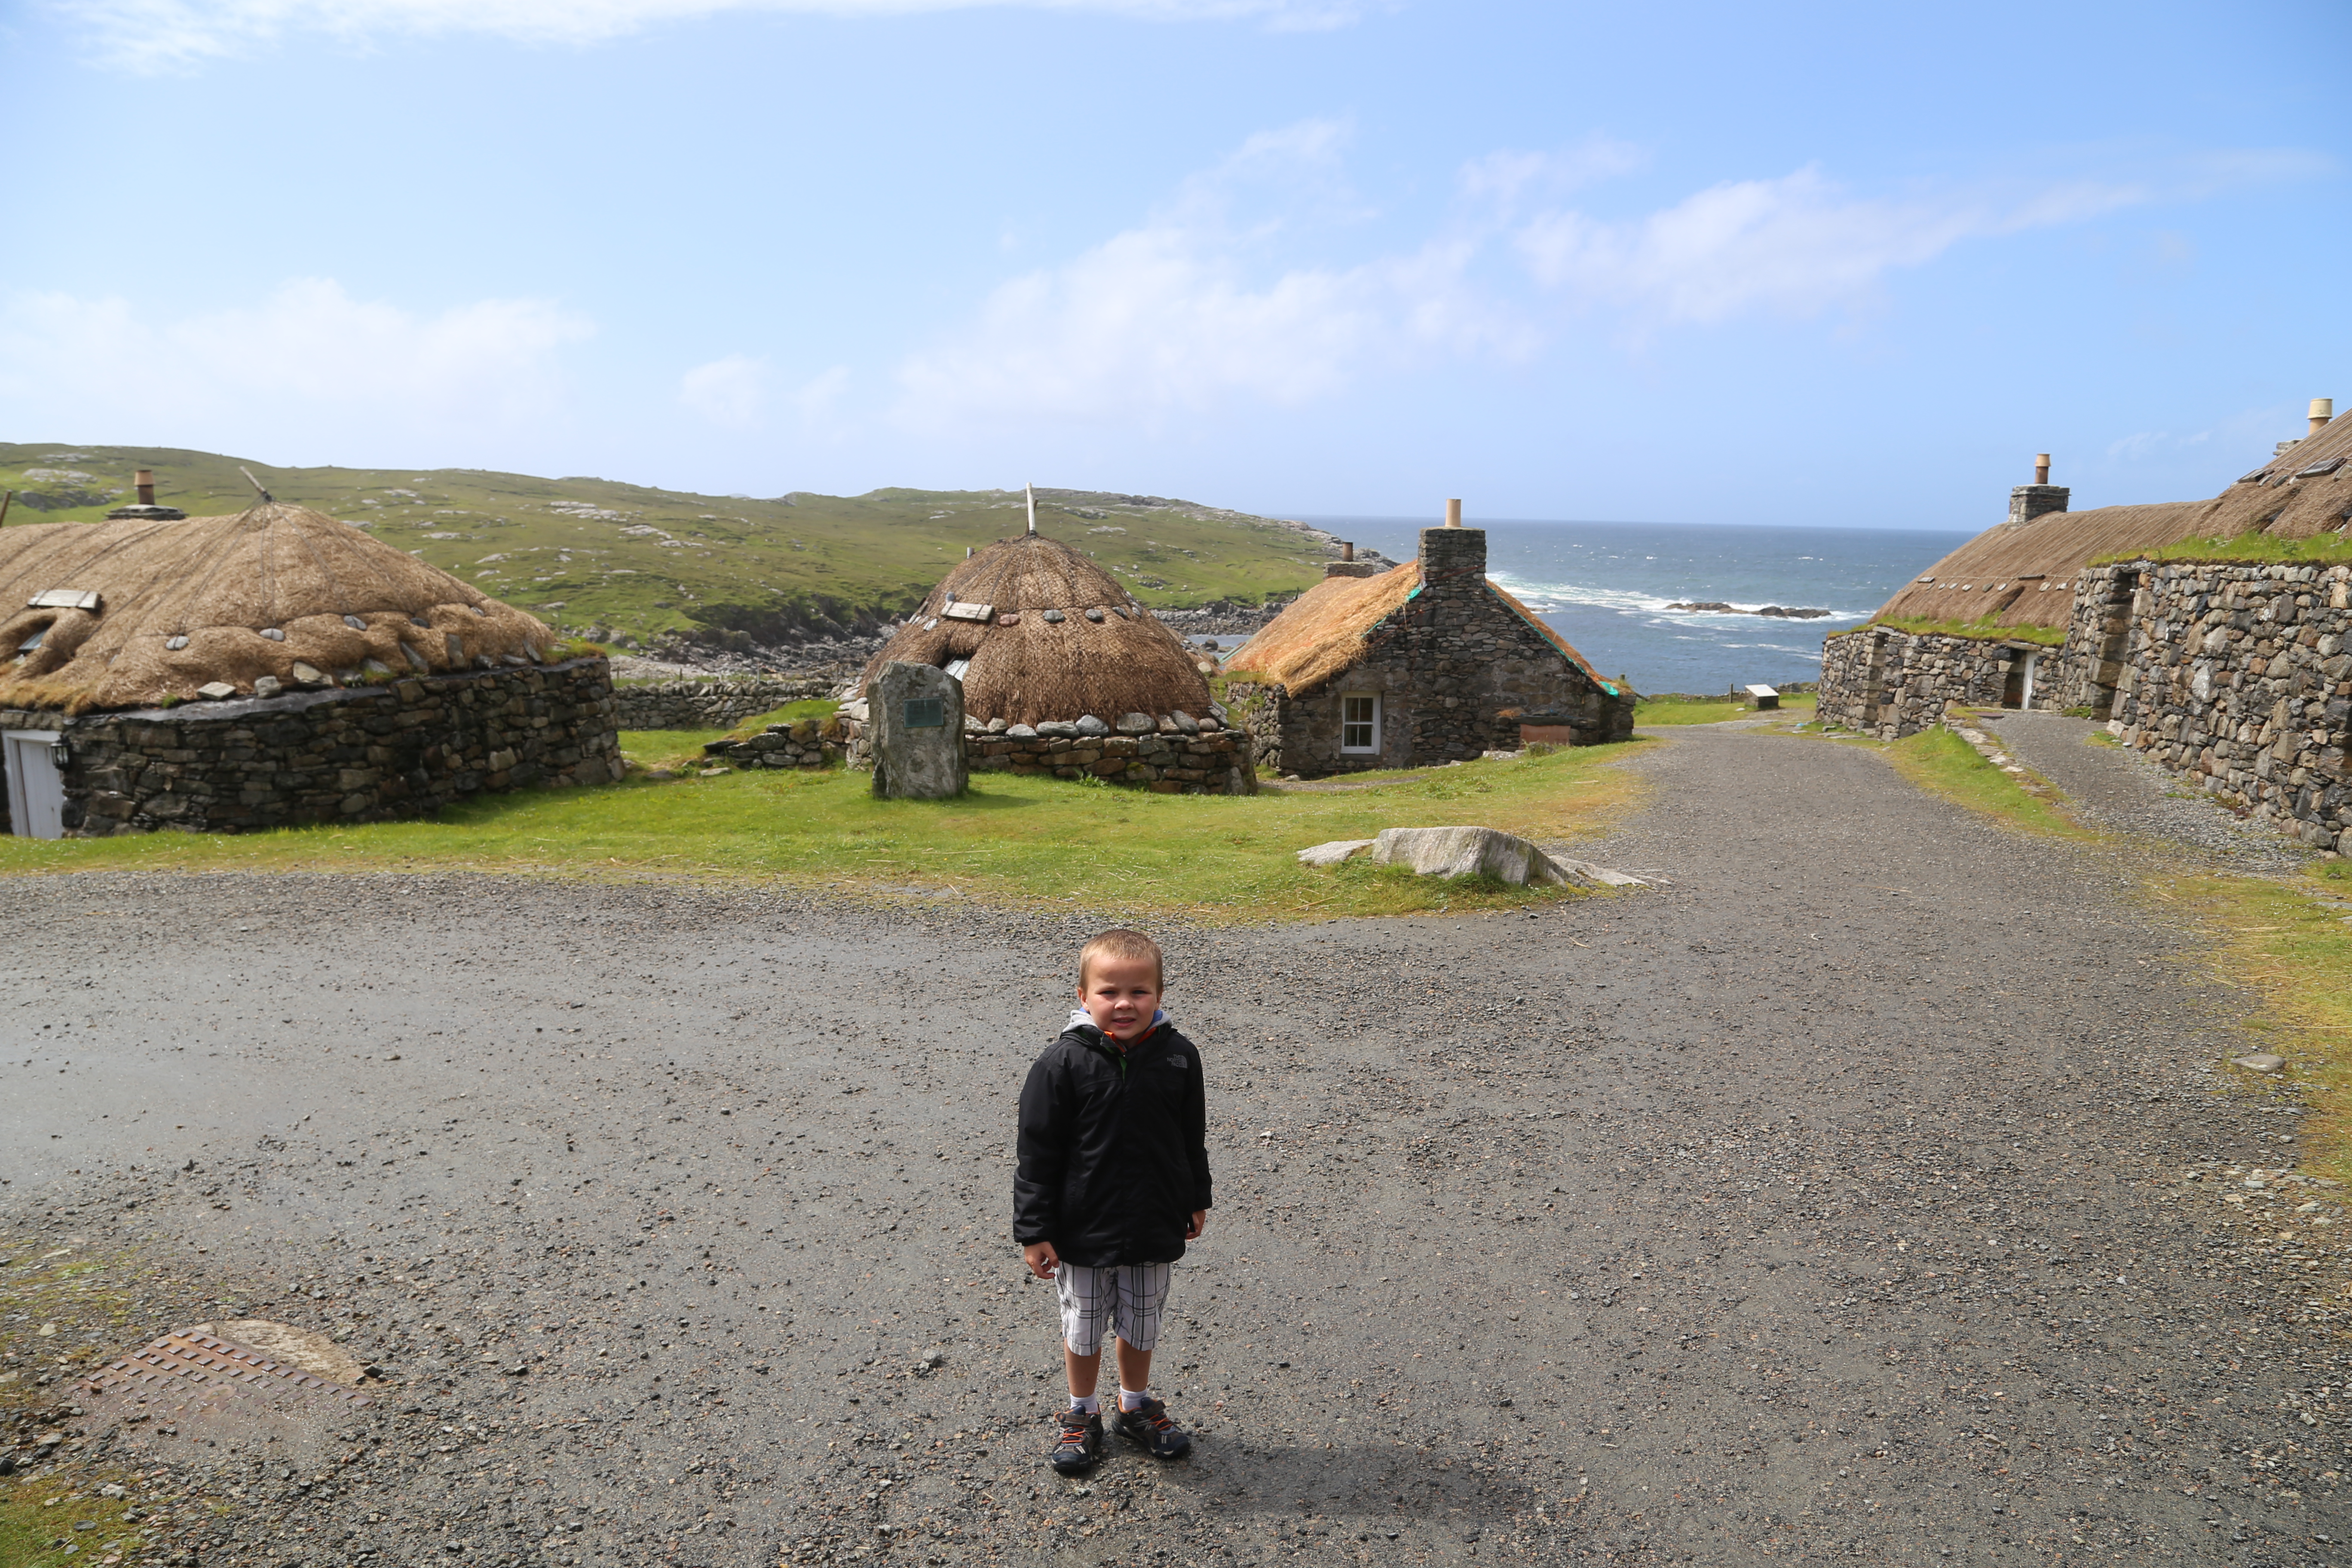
column 638, row 562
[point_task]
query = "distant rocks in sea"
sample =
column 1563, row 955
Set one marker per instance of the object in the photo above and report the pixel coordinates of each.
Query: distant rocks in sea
column 1711, row 606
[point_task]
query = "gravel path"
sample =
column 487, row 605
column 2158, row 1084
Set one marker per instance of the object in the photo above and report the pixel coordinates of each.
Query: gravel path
column 1826, row 1205
column 2124, row 792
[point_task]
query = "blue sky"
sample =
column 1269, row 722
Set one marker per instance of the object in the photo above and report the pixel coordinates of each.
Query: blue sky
column 1709, row 263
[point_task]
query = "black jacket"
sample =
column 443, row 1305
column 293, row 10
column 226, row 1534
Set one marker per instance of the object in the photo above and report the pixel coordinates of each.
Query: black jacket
column 1114, row 1148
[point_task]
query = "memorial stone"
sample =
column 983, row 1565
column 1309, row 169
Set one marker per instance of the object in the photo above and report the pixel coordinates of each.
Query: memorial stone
column 918, row 719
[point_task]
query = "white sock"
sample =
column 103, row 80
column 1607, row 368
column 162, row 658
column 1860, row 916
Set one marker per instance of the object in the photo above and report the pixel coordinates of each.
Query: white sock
column 1090, row 1405
column 1130, row 1400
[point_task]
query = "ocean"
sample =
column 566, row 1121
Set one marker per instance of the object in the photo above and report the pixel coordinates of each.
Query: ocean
column 1605, row 587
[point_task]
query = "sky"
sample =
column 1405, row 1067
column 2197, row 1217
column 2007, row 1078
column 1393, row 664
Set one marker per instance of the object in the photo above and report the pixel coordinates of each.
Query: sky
column 1800, row 264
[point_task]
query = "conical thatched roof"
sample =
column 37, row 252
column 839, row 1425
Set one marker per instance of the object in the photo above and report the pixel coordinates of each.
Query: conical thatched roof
column 183, row 605
column 1329, row 627
column 2023, row 573
column 1059, row 639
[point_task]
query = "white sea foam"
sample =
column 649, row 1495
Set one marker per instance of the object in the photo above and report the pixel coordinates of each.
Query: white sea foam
column 1546, row 597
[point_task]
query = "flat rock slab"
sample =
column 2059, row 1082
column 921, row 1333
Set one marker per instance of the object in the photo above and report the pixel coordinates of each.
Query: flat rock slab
column 1332, row 854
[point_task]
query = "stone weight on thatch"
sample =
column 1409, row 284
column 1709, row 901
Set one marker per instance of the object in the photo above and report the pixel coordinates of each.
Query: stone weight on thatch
column 916, row 713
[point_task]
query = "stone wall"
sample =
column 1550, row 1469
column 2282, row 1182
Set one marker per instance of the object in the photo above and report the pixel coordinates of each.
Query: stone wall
column 366, row 754
column 1891, row 684
column 709, row 704
column 1458, row 672
column 1175, row 756
column 2236, row 675
column 2240, row 677
column 806, row 743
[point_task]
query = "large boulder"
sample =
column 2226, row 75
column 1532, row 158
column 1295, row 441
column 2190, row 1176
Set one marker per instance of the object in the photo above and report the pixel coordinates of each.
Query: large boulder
column 918, row 719
column 1486, row 852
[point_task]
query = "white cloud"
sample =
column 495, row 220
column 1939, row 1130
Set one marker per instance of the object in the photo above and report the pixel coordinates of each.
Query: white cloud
column 728, row 391
column 165, row 34
column 1179, row 313
column 1200, row 306
column 308, row 358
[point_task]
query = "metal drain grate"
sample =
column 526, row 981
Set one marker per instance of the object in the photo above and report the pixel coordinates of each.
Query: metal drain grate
column 180, row 1365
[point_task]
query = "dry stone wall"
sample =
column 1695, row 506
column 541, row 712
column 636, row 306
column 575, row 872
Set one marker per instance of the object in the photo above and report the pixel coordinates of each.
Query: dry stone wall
column 1178, row 754
column 709, row 704
column 2240, row 677
column 2235, row 674
column 1891, row 684
column 366, row 754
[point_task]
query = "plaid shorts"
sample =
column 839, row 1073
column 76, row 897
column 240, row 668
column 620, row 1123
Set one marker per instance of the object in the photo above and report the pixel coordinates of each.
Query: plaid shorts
column 1130, row 1295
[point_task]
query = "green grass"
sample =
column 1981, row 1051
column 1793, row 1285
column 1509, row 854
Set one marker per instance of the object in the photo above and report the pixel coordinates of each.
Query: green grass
column 1712, row 712
column 35, row 1513
column 1981, row 630
column 2323, row 549
column 1020, row 841
column 668, row 748
column 720, row 563
column 1939, row 761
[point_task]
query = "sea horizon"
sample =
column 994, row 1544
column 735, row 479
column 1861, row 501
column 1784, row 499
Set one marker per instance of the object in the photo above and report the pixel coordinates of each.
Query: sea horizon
column 1606, row 588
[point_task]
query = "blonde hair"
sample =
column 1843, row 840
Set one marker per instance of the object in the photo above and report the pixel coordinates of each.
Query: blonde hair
column 1122, row 945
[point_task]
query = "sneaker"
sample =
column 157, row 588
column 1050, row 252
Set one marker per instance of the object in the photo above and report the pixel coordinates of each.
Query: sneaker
column 1080, row 1444
column 1149, row 1424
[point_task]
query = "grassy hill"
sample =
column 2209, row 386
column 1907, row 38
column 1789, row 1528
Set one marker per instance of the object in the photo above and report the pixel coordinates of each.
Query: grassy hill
column 586, row 552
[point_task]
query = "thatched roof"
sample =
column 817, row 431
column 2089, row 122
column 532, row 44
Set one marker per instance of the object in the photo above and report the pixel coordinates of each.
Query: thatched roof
column 2023, row 573
column 1330, row 627
column 2281, row 497
column 1059, row 639
column 180, row 605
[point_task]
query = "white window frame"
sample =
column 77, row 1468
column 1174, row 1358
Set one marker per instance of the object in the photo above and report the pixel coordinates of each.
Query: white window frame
column 1346, row 723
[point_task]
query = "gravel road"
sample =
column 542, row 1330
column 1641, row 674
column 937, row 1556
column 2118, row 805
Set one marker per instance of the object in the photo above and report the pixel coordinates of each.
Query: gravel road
column 2124, row 792
column 1827, row 1203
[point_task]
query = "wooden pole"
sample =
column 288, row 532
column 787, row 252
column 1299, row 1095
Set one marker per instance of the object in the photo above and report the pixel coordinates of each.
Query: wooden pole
column 5, row 501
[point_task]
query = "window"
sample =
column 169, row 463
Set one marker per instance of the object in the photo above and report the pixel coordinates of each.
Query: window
column 1359, row 723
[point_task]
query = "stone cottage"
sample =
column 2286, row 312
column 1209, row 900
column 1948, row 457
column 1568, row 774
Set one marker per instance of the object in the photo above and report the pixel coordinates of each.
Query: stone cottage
column 1413, row 667
column 1997, row 622
column 273, row 667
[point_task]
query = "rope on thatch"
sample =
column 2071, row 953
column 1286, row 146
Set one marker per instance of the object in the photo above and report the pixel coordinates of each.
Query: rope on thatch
column 1064, row 640
column 232, row 599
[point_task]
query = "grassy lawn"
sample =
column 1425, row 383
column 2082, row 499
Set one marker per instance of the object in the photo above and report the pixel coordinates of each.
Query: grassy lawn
column 1011, row 840
column 1712, row 712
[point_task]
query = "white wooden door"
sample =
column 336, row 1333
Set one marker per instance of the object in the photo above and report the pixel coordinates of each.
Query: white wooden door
column 36, row 793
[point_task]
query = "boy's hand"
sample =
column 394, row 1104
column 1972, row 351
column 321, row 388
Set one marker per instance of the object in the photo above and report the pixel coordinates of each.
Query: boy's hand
column 1199, row 1223
column 1042, row 1258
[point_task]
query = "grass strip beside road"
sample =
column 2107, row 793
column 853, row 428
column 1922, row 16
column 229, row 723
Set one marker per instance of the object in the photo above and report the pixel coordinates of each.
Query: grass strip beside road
column 1013, row 840
column 1713, row 710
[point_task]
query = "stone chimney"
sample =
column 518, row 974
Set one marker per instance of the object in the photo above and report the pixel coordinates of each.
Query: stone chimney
column 145, row 509
column 1453, row 555
column 1348, row 565
column 2027, row 502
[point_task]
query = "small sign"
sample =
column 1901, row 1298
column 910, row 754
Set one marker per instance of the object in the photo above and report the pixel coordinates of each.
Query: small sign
column 923, row 713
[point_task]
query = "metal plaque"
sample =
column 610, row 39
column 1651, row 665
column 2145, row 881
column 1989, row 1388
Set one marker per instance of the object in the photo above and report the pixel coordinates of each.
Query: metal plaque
column 923, row 713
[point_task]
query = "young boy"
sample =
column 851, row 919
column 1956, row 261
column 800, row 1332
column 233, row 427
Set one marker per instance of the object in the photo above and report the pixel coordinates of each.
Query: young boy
column 1113, row 1181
